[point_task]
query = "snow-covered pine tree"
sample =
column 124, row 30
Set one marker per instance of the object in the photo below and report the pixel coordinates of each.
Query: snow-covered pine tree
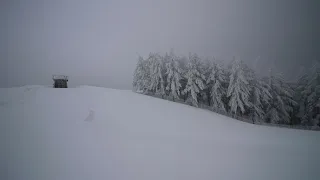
column 141, row 77
column 259, row 97
column 300, row 97
column 216, row 81
column 309, row 87
column 173, row 72
column 165, row 60
column 205, row 69
column 183, row 61
column 281, row 103
column 195, row 80
column 239, row 89
column 156, row 68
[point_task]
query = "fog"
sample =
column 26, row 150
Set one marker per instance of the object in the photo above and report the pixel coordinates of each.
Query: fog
column 97, row 42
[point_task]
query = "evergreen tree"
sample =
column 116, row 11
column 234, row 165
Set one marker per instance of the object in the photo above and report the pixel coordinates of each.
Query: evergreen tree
column 216, row 81
column 156, row 74
column 173, row 73
column 165, row 60
column 259, row 97
column 183, row 61
column 239, row 89
column 141, row 77
column 281, row 103
column 195, row 80
column 309, row 88
column 205, row 69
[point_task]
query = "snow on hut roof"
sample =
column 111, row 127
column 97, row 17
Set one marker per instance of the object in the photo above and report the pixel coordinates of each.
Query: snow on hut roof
column 59, row 77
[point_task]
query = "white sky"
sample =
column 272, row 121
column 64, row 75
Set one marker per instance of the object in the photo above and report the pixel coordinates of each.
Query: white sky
column 97, row 42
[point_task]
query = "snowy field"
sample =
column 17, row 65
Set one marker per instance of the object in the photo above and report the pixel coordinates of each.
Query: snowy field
column 104, row 134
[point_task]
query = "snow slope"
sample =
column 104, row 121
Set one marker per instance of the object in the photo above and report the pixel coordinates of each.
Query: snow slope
column 97, row 133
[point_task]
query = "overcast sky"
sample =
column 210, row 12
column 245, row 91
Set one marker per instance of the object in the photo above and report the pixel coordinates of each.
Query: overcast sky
column 97, row 42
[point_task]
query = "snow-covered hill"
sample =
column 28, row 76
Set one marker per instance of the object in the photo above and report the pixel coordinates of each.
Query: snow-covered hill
column 97, row 133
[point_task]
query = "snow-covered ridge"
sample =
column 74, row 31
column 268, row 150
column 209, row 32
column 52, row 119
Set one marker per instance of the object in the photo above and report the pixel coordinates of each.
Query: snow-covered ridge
column 100, row 133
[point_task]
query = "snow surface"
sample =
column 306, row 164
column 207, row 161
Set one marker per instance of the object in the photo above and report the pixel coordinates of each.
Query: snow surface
column 97, row 133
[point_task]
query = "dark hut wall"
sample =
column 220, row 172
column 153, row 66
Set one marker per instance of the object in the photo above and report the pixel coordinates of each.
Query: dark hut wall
column 60, row 83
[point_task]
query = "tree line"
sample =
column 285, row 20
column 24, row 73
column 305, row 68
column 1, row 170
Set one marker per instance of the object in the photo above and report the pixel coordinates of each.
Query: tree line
column 234, row 89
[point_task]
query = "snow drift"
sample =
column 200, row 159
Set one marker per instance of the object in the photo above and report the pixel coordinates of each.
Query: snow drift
column 98, row 133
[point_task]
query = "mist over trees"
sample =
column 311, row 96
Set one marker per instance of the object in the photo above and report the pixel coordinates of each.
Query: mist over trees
column 235, row 89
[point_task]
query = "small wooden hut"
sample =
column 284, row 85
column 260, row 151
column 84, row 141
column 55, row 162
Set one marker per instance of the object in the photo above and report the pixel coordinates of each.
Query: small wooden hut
column 60, row 81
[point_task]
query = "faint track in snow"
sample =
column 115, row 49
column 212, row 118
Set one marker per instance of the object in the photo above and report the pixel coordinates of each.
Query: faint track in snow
column 90, row 117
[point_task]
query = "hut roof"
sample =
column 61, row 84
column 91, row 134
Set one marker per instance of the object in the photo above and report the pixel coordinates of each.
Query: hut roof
column 54, row 77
